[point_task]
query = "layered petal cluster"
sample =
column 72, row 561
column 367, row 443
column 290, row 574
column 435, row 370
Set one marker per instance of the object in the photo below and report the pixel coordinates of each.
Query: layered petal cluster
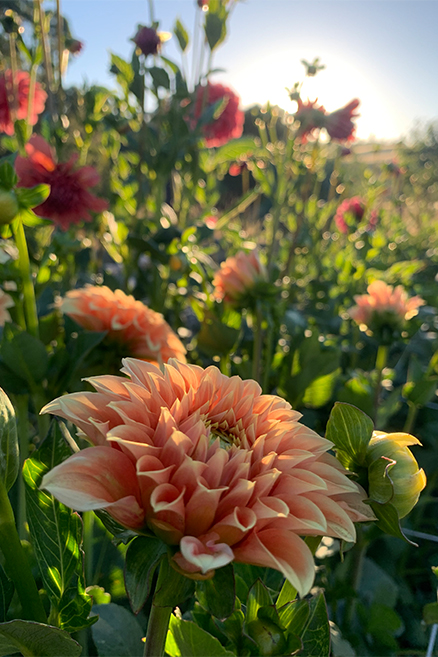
column 237, row 276
column 229, row 119
column 210, row 465
column 350, row 207
column 147, row 40
column 339, row 124
column 15, row 94
column 311, row 117
column 70, row 200
column 384, row 303
column 6, row 302
column 141, row 332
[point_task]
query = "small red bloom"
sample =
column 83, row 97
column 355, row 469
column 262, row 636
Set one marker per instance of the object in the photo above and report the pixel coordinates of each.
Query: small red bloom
column 148, row 40
column 74, row 46
column 69, row 201
column 311, row 117
column 229, row 124
column 339, row 124
column 22, row 84
column 354, row 207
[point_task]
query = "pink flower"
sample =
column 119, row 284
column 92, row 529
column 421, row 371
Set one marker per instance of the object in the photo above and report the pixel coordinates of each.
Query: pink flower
column 217, row 470
column 384, row 303
column 350, row 209
column 22, row 84
column 311, row 117
column 70, row 200
column 6, row 302
column 228, row 124
column 148, row 40
column 237, row 276
column 339, row 124
column 139, row 330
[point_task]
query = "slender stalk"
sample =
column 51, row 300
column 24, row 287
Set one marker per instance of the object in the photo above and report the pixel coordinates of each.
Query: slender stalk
column 412, row 416
column 151, row 11
column 16, row 564
column 30, row 307
column 381, row 359
column 258, row 342
column 47, row 61
column 21, row 403
column 88, row 520
column 60, row 39
column 32, row 83
column 268, row 357
column 157, row 631
column 358, row 556
column 13, row 54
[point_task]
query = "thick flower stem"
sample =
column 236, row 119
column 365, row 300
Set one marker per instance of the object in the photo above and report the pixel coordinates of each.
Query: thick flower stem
column 16, row 564
column 157, row 631
column 30, row 307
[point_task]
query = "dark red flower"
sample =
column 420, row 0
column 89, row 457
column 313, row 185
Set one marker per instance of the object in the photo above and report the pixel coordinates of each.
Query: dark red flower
column 229, row 122
column 69, row 201
column 351, row 208
column 74, row 46
column 311, row 117
column 22, row 84
column 203, row 3
column 148, row 40
column 339, row 124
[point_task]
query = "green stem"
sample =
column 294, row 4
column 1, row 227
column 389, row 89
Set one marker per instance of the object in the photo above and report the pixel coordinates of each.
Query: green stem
column 21, row 404
column 158, row 624
column 30, row 307
column 412, row 416
column 358, row 556
column 88, row 520
column 381, row 359
column 258, row 342
column 268, row 357
column 16, row 564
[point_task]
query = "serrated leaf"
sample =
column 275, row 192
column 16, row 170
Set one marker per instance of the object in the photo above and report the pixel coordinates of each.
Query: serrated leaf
column 36, row 639
column 185, row 639
column 9, row 452
column 142, row 558
column 218, row 594
column 6, row 592
column 316, row 635
column 294, row 616
column 287, row 594
column 350, row 430
column 56, row 536
column 117, row 632
column 31, row 197
column 258, row 596
column 388, row 520
column 181, row 34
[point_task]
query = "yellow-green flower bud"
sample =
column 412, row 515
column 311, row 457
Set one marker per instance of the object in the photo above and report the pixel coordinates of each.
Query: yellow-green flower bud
column 393, row 472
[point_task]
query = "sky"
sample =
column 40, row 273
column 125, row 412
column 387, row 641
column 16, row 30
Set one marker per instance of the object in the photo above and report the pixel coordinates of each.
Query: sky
column 383, row 52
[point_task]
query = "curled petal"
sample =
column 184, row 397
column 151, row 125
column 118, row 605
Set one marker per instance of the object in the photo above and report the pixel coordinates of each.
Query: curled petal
column 205, row 556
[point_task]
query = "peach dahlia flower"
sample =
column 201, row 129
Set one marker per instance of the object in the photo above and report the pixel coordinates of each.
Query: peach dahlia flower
column 384, row 301
column 237, row 276
column 142, row 332
column 213, row 467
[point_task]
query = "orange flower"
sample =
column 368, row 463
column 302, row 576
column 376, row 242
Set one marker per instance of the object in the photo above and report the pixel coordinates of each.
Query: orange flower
column 5, row 303
column 384, row 303
column 238, row 275
column 210, row 465
column 143, row 332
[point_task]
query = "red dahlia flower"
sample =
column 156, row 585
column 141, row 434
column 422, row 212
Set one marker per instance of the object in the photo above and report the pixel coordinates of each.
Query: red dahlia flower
column 22, row 85
column 339, row 124
column 69, row 201
column 213, row 467
column 229, row 123
column 354, row 207
column 148, row 40
column 311, row 117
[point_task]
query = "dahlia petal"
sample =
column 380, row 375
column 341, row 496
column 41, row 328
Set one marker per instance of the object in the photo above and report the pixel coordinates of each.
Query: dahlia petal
column 236, row 525
column 167, row 504
column 201, row 509
column 283, row 551
column 239, row 495
column 205, row 557
column 339, row 524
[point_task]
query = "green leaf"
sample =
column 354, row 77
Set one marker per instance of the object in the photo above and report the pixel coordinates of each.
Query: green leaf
column 350, row 430
column 122, row 69
column 142, row 558
column 9, row 453
column 117, row 632
column 430, row 613
column 8, row 177
column 258, row 596
column 287, row 594
column 388, row 520
column 294, row 616
column 172, row 588
column 6, row 592
column 56, row 536
column 234, row 150
column 218, row 594
column 24, row 354
column 320, row 391
column 160, row 77
column 181, row 34
column 316, row 635
column 30, row 197
column 216, row 338
column 185, row 639
column 215, row 29
column 36, row 640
